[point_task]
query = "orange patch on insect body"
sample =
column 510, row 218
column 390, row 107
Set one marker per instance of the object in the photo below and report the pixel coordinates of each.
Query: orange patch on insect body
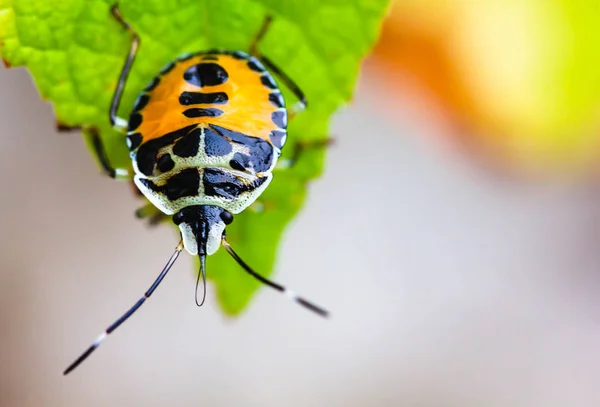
column 247, row 109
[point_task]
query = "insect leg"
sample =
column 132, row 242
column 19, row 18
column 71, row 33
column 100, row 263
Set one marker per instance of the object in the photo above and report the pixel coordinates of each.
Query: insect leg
column 286, row 291
column 118, row 122
column 259, row 35
column 152, row 214
column 301, row 104
column 130, row 312
column 98, row 150
column 102, row 158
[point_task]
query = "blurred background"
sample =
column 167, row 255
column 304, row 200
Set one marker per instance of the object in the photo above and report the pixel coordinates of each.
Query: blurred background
column 459, row 251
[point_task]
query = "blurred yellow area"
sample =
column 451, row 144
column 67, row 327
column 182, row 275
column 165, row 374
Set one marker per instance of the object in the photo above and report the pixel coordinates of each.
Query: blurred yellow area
column 520, row 78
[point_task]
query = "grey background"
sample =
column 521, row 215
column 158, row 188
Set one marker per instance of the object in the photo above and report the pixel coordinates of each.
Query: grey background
column 449, row 286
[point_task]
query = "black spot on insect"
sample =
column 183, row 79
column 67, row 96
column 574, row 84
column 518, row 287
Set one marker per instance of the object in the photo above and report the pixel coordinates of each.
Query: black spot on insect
column 148, row 152
column 277, row 137
column 255, row 65
column 167, row 68
column 134, row 141
column 236, row 165
column 220, row 183
column 206, row 74
column 235, row 136
column 243, row 161
column 210, row 58
column 260, row 152
column 215, row 145
column 153, row 84
column 165, row 163
column 239, row 55
column 197, row 112
column 134, row 121
column 276, row 98
column 268, row 81
column 141, row 102
column 279, row 117
column 185, row 183
column 188, row 145
column 195, row 98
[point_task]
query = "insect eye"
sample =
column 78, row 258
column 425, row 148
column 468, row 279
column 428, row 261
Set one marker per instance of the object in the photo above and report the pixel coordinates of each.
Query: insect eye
column 226, row 217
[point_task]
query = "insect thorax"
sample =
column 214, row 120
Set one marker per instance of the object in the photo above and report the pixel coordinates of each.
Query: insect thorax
column 204, row 165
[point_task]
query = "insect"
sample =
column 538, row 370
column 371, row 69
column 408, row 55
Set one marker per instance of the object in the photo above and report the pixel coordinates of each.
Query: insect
column 204, row 138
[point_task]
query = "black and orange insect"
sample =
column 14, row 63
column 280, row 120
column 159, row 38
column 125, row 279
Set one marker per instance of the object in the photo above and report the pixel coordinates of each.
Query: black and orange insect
column 204, row 136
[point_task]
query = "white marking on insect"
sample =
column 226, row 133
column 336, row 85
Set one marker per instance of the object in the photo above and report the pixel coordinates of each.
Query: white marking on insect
column 121, row 123
column 258, row 64
column 99, row 339
column 284, row 116
column 289, row 293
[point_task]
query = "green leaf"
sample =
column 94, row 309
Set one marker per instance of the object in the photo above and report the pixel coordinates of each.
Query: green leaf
column 74, row 50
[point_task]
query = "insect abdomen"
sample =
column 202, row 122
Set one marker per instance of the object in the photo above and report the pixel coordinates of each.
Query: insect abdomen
column 204, row 165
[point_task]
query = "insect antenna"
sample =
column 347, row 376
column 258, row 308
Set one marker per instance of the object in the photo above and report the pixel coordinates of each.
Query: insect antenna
column 126, row 315
column 289, row 293
column 202, row 272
